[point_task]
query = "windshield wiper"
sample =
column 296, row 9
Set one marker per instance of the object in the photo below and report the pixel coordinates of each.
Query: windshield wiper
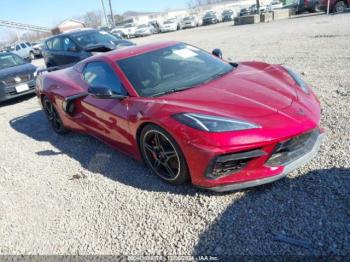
column 174, row 90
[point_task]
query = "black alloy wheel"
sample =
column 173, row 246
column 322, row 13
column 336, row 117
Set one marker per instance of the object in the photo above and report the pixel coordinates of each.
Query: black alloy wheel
column 53, row 117
column 162, row 154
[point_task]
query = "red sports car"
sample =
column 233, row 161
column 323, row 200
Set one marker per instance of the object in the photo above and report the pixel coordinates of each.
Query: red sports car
column 188, row 114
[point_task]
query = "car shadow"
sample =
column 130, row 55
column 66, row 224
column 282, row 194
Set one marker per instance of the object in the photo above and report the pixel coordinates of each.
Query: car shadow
column 312, row 208
column 95, row 156
column 16, row 100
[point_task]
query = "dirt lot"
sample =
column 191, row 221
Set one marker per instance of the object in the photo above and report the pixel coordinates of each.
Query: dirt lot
column 74, row 195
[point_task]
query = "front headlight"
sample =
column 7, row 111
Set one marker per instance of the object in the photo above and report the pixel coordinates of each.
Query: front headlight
column 213, row 123
column 297, row 78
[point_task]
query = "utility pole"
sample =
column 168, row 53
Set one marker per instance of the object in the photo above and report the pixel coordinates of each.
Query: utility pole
column 328, row 4
column 104, row 12
column 258, row 7
column 112, row 17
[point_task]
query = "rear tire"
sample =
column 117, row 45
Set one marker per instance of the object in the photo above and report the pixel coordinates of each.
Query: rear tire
column 163, row 156
column 53, row 117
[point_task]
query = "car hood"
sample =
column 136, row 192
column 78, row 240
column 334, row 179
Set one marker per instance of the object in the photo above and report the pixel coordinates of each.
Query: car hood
column 17, row 70
column 209, row 17
column 251, row 90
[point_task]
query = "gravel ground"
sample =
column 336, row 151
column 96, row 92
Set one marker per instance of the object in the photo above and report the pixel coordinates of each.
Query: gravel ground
column 74, row 195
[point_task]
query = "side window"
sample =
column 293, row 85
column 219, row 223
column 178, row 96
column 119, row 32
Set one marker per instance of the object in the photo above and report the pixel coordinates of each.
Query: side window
column 100, row 74
column 56, row 43
column 18, row 47
column 49, row 44
column 23, row 45
column 69, row 45
column 28, row 44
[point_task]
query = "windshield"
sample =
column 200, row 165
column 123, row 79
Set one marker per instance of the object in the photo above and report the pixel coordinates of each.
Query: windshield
column 227, row 12
column 142, row 26
column 10, row 60
column 95, row 37
column 209, row 14
column 128, row 25
column 188, row 18
column 172, row 68
column 169, row 22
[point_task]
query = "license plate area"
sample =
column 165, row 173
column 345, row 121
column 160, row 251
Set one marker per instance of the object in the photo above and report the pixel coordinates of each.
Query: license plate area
column 21, row 88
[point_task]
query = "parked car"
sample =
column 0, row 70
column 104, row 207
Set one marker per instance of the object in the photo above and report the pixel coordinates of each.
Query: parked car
column 169, row 25
column 73, row 46
column 189, row 22
column 228, row 15
column 274, row 5
column 38, row 48
column 156, row 26
column 248, row 123
column 129, row 30
column 24, row 50
column 17, row 76
column 253, row 8
column 144, row 30
column 335, row 6
column 210, row 18
column 117, row 32
column 244, row 11
column 301, row 6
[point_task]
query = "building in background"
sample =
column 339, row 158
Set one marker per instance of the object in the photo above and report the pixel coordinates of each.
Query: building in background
column 66, row 26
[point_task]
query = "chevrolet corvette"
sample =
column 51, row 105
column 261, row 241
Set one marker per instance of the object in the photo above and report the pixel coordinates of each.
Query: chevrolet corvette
column 188, row 114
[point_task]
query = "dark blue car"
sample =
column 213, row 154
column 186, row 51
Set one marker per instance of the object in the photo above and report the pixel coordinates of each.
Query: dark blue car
column 71, row 47
column 17, row 76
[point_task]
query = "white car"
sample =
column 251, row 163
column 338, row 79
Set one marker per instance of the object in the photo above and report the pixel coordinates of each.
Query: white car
column 168, row 26
column 24, row 50
column 127, row 31
column 144, row 29
column 274, row 5
column 190, row 22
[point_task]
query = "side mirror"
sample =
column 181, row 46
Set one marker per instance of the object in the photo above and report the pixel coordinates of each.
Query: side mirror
column 104, row 93
column 217, row 52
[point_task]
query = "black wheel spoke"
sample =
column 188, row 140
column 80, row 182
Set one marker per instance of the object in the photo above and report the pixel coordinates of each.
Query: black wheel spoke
column 168, row 169
column 157, row 164
column 157, row 140
column 170, row 154
column 150, row 148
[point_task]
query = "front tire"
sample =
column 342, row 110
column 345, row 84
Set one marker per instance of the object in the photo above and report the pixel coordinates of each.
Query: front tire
column 31, row 56
column 163, row 155
column 53, row 116
column 339, row 7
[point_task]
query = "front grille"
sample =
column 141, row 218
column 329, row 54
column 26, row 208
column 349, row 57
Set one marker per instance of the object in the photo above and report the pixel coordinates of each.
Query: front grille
column 232, row 163
column 292, row 149
column 14, row 80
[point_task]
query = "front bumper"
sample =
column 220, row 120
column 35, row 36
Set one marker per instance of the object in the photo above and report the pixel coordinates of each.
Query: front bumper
column 287, row 169
column 37, row 52
column 164, row 30
column 209, row 22
column 9, row 92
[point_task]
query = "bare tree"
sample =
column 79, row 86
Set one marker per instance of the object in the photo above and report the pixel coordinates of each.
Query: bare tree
column 93, row 19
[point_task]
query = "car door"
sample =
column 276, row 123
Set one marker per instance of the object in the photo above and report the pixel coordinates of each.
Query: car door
column 18, row 50
column 106, row 118
column 24, row 52
column 71, row 52
column 56, row 51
